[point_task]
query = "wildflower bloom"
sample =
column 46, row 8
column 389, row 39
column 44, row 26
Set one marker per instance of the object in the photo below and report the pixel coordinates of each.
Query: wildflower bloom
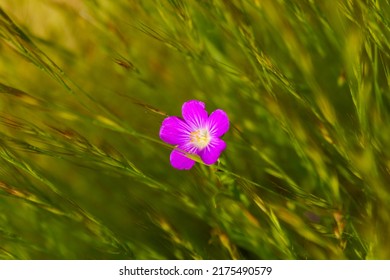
column 196, row 133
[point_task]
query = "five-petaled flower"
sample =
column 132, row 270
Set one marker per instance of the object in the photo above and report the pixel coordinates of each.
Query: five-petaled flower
column 196, row 133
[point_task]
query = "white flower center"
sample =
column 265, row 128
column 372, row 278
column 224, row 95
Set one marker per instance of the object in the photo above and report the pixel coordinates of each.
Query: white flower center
column 200, row 138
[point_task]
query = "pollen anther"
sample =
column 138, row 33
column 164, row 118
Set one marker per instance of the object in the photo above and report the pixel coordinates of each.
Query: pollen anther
column 200, row 138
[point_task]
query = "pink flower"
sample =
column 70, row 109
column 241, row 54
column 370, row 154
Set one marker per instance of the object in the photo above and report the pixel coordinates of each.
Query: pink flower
column 196, row 133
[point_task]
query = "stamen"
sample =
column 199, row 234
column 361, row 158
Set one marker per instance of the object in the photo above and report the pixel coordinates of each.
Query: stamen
column 200, row 138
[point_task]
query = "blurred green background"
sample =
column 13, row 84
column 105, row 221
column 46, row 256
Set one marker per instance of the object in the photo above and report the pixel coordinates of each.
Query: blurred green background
column 85, row 85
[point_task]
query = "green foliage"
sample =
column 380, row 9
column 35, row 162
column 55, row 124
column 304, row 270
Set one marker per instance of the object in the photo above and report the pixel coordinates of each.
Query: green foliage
column 85, row 85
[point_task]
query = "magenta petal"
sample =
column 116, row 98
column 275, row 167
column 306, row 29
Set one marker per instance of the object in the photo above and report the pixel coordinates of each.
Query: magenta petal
column 180, row 161
column 212, row 152
column 218, row 123
column 174, row 131
column 195, row 114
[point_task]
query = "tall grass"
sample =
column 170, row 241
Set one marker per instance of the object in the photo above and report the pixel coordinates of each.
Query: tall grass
column 85, row 85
